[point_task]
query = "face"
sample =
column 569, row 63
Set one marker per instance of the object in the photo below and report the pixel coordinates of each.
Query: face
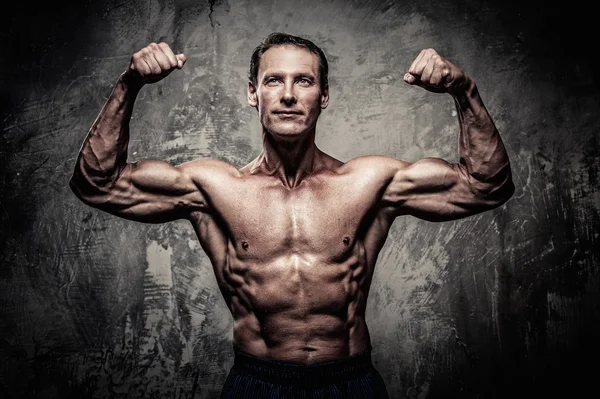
column 287, row 93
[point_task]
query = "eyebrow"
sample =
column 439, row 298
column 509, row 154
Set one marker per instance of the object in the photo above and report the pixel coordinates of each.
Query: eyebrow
column 308, row 75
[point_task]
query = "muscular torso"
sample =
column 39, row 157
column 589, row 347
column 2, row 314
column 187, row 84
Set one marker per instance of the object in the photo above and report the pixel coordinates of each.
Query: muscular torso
column 294, row 264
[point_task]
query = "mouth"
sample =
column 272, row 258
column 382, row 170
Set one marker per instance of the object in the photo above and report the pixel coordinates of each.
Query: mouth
column 287, row 113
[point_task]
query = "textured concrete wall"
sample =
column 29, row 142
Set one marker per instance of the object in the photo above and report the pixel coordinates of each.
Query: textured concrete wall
column 506, row 302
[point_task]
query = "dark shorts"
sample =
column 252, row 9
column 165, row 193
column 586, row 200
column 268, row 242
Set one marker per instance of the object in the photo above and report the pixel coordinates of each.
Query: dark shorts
column 355, row 377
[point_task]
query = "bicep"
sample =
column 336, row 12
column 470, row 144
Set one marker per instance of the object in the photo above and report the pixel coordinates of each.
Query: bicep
column 153, row 191
column 434, row 190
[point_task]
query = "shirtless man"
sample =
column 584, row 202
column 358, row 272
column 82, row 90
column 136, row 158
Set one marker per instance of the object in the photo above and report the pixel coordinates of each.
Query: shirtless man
column 294, row 235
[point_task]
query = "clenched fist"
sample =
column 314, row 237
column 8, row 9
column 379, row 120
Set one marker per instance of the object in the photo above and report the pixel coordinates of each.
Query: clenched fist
column 435, row 73
column 153, row 63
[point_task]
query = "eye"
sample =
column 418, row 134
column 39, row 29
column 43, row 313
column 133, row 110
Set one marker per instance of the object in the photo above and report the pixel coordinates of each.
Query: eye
column 272, row 81
column 305, row 81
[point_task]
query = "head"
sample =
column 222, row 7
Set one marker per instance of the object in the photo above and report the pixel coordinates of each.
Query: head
column 283, row 39
column 288, row 84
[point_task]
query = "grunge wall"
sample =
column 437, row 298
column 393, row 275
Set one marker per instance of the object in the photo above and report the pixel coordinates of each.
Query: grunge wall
column 505, row 303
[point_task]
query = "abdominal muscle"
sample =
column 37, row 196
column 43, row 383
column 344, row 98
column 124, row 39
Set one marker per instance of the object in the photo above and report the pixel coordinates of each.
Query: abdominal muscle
column 298, row 307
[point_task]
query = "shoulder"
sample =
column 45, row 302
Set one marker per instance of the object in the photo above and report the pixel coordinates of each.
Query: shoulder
column 200, row 167
column 373, row 165
column 207, row 173
column 371, row 173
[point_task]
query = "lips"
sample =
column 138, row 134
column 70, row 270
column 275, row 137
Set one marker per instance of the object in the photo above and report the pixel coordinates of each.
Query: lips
column 287, row 112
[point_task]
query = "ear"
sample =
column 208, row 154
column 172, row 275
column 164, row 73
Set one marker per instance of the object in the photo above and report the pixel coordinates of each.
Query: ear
column 325, row 98
column 252, row 96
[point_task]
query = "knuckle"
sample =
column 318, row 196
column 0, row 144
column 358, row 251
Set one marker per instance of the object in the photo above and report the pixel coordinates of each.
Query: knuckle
column 432, row 53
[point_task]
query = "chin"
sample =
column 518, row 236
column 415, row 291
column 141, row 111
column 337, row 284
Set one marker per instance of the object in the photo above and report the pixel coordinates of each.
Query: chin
column 285, row 135
column 286, row 132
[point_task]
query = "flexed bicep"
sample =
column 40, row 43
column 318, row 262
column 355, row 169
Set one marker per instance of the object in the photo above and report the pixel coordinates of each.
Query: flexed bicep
column 435, row 190
column 149, row 191
column 146, row 191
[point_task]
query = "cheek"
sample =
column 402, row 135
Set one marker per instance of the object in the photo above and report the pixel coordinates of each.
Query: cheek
column 265, row 100
column 263, row 110
column 314, row 102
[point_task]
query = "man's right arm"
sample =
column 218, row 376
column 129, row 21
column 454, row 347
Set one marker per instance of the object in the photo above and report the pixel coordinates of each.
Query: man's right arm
column 146, row 191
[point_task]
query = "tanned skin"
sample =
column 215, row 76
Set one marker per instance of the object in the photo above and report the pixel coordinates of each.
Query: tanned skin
column 293, row 236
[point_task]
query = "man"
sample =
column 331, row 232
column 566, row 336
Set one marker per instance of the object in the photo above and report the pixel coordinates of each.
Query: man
column 294, row 235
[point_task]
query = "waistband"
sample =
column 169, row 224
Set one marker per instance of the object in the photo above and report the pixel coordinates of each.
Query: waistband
column 291, row 373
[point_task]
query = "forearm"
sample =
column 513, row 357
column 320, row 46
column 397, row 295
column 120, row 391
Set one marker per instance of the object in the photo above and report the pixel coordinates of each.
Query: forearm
column 103, row 154
column 481, row 151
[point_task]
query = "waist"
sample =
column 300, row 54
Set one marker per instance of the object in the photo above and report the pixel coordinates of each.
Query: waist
column 293, row 373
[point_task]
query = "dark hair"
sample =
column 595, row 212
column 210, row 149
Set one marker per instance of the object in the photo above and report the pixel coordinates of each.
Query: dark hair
column 282, row 39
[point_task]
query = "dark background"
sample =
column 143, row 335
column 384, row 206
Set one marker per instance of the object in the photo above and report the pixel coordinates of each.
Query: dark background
column 502, row 304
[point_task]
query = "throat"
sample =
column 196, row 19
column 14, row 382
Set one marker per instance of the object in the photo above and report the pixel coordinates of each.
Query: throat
column 291, row 161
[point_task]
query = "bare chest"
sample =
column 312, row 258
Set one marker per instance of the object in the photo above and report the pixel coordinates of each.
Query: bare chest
column 263, row 222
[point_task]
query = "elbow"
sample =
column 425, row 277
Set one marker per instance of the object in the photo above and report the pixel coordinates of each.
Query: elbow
column 505, row 193
column 507, row 188
column 495, row 189
column 77, row 187
column 80, row 188
column 76, row 183
column 86, row 191
column 497, row 195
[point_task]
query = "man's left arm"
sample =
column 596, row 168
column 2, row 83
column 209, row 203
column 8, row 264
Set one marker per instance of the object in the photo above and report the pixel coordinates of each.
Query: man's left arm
column 434, row 189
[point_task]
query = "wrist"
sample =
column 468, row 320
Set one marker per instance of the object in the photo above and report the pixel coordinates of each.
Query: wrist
column 465, row 93
column 130, row 82
column 462, row 88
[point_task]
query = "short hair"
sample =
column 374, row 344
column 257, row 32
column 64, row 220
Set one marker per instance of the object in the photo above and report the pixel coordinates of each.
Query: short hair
column 281, row 39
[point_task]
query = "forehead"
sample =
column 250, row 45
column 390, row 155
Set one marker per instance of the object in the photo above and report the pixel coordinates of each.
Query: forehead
column 289, row 59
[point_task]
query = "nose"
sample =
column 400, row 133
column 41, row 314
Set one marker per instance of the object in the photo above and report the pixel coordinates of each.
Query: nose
column 288, row 96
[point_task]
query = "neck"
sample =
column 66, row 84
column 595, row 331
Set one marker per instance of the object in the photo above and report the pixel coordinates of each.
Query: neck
column 291, row 160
